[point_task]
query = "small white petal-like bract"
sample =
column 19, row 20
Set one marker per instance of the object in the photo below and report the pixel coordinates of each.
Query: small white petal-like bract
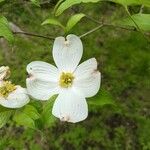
column 12, row 96
column 72, row 82
column 4, row 72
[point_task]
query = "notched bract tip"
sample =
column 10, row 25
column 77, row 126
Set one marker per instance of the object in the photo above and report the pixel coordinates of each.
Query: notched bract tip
column 65, row 118
column 30, row 76
column 66, row 43
column 95, row 71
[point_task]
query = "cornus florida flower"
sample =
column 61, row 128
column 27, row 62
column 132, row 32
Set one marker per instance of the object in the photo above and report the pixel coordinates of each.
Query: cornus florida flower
column 11, row 96
column 72, row 83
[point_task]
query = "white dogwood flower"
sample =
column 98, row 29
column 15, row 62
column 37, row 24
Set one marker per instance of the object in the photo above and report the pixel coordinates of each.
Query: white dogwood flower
column 71, row 82
column 11, row 96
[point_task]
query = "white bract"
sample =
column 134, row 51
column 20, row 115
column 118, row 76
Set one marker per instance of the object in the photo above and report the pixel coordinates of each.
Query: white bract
column 4, row 72
column 71, row 82
column 11, row 96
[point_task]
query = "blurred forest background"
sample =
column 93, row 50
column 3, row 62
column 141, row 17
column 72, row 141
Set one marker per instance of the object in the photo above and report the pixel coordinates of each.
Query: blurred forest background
column 124, row 61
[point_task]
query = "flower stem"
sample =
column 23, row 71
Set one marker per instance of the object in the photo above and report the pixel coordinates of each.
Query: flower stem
column 91, row 31
column 36, row 35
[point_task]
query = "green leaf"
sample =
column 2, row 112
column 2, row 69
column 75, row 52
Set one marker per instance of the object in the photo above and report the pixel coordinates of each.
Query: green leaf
column 65, row 5
column 68, row 3
column 92, row 1
column 73, row 21
column 31, row 111
column 46, row 116
column 5, row 30
column 142, row 20
column 53, row 21
column 101, row 99
column 4, row 117
column 132, row 2
column 26, row 116
column 57, row 5
column 23, row 119
column 36, row 2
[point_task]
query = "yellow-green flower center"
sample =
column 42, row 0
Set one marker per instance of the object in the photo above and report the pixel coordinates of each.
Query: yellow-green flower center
column 6, row 88
column 66, row 80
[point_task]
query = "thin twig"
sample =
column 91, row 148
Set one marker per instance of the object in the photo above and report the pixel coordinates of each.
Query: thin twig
column 141, row 9
column 92, row 19
column 121, row 27
column 112, row 25
column 126, row 8
column 115, row 26
column 91, row 31
column 36, row 35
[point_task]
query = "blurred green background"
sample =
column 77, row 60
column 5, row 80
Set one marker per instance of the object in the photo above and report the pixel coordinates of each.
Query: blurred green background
column 124, row 61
